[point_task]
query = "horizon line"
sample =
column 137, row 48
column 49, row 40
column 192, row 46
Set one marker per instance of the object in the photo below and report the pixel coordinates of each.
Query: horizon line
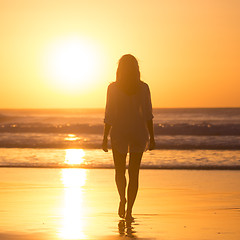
column 98, row 108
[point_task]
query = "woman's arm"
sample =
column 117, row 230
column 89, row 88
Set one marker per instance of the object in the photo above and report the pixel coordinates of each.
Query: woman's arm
column 149, row 117
column 109, row 111
column 107, row 128
column 151, row 133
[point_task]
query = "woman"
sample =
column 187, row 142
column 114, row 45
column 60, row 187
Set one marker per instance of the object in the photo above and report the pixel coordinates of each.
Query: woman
column 128, row 114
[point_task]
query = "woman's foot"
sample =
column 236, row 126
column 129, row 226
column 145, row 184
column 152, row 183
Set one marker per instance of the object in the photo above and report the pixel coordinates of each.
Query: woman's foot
column 121, row 209
column 129, row 217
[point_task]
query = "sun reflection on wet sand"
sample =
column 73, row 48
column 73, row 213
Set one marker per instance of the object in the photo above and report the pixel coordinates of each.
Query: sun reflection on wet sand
column 74, row 156
column 73, row 210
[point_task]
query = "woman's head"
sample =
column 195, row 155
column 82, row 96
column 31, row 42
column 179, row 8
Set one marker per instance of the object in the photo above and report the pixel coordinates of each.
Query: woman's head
column 128, row 74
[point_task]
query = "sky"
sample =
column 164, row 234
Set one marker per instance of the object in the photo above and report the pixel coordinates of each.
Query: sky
column 63, row 54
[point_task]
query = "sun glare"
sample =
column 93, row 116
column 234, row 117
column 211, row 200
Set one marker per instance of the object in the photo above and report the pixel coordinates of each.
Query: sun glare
column 73, row 210
column 74, row 63
column 74, row 156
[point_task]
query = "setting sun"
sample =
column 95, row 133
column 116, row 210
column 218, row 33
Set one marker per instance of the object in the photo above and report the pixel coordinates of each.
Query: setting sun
column 73, row 63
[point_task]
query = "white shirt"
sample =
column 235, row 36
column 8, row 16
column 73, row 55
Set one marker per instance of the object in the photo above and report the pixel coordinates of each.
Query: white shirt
column 128, row 116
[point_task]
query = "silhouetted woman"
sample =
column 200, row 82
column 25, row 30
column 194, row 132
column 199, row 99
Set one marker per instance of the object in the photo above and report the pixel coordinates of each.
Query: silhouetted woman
column 128, row 114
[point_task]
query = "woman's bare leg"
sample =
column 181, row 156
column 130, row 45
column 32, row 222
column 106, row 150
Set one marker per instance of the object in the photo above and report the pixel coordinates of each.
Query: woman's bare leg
column 120, row 178
column 133, row 171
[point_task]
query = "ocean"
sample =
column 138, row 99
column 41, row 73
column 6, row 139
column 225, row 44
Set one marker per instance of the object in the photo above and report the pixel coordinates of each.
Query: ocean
column 186, row 138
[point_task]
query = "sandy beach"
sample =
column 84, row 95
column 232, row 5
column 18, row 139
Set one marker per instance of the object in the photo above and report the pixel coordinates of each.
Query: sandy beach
column 82, row 204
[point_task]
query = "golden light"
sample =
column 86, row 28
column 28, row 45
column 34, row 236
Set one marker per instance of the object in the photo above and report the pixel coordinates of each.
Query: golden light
column 74, row 177
column 71, row 137
column 74, row 156
column 73, row 63
column 73, row 210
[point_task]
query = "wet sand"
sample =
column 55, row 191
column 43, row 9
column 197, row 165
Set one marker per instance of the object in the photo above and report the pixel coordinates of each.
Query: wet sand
column 60, row 204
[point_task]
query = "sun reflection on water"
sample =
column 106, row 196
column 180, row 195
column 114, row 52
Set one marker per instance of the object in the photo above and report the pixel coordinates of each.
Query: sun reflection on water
column 73, row 210
column 74, row 156
column 71, row 137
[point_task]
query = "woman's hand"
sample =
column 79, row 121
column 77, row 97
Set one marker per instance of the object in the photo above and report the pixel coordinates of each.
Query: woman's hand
column 105, row 145
column 152, row 144
column 107, row 128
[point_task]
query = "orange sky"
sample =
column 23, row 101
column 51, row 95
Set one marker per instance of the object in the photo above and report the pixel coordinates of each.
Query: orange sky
column 188, row 51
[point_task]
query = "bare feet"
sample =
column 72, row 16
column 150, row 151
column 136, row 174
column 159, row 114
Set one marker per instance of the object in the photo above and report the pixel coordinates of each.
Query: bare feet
column 121, row 209
column 129, row 217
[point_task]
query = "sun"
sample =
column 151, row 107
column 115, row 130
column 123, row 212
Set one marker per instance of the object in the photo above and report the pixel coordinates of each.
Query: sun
column 73, row 63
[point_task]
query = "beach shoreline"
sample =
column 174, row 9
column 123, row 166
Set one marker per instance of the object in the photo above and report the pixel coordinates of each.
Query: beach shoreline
column 82, row 204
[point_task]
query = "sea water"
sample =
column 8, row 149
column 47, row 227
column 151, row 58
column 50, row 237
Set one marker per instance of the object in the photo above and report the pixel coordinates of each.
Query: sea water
column 199, row 138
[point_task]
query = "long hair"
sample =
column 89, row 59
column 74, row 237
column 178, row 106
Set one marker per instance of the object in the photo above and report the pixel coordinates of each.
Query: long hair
column 128, row 74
